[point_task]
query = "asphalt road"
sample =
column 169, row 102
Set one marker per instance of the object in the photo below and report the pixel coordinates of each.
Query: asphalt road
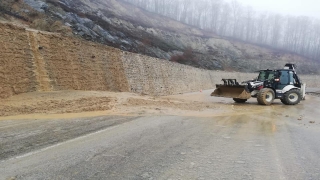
column 278, row 142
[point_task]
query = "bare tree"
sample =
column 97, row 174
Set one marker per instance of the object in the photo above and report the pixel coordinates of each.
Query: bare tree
column 249, row 15
column 276, row 29
column 186, row 5
column 236, row 15
column 216, row 10
column 296, row 34
column 224, row 21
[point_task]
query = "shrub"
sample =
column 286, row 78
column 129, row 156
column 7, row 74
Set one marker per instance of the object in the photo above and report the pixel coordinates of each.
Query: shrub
column 33, row 14
column 57, row 26
column 41, row 24
column 187, row 56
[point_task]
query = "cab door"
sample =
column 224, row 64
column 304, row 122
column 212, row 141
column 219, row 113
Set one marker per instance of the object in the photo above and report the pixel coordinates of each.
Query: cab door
column 285, row 78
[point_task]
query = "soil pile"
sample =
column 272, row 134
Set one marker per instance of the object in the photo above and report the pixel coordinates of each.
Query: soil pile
column 119, row 103
column 60, row 102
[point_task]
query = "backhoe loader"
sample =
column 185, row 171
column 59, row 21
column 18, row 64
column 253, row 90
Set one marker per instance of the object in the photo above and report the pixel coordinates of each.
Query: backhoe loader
column 283, row 84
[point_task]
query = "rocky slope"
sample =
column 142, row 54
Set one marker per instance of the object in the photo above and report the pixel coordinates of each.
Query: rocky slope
column 130, row 28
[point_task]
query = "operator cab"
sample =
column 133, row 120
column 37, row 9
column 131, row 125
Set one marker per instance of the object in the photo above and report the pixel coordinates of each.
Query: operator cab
column 286, row 77
column 278, row 79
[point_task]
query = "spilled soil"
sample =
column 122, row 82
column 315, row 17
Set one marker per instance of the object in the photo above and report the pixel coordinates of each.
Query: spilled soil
column 70, row 104
column 64, row 102
column 54, row 102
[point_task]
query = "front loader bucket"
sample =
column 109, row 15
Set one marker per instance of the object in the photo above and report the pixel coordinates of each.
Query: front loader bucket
column 227, row 91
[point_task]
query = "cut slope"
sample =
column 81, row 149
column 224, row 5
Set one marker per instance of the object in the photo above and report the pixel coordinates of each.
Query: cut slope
column 133, row 29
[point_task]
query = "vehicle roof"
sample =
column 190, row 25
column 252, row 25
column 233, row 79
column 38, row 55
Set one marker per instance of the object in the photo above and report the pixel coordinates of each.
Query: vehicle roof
column 275, row 70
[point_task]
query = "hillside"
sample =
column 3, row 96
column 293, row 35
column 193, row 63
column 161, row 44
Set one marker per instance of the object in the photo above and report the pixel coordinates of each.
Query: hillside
column 129, row 28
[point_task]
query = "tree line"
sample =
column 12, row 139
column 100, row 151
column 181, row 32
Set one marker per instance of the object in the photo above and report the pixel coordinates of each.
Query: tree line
column 298, row 34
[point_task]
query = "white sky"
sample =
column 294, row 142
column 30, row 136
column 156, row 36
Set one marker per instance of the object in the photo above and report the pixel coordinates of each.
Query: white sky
column 292, row 7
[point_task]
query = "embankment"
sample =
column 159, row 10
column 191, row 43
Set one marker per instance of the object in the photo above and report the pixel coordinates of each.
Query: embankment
column 40, row 61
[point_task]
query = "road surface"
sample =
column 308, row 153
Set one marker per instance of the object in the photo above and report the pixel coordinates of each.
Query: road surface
column 264, row 142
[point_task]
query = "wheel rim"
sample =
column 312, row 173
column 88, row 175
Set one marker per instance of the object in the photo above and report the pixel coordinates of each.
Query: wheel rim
column 293, row 97
column 269, row 97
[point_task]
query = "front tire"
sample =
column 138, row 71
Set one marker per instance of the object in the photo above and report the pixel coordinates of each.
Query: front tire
column 237, row 100
column 292, row 97
column 266, row 96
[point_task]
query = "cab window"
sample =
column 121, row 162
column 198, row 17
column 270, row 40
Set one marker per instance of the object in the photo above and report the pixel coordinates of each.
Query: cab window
column 284, row 78
column 266, row 75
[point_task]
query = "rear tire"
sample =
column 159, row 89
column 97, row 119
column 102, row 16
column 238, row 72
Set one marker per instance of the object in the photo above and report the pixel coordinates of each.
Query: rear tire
column 292, row 97
column 265, row 96
column 237, row 100
column 283, row 102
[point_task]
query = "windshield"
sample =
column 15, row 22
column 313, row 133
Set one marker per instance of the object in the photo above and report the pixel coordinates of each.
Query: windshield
column 266, row 75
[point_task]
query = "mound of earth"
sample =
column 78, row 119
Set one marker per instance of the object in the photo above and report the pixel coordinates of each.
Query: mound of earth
column 95, row 103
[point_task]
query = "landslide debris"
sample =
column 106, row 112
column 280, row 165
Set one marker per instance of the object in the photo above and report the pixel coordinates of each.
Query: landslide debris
column 59, row 106
column 176, row 104
column 61, row 102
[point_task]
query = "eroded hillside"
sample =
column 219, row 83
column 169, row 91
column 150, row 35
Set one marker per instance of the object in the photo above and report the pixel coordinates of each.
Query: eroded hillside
column 132, row 29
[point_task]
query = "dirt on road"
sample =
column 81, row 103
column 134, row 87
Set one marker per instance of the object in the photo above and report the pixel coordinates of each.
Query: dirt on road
column 62, row 102
column 70, row 104
column 130, row 136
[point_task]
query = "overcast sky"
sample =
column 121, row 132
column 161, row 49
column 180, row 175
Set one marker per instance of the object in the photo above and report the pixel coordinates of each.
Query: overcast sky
column 293, row 7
